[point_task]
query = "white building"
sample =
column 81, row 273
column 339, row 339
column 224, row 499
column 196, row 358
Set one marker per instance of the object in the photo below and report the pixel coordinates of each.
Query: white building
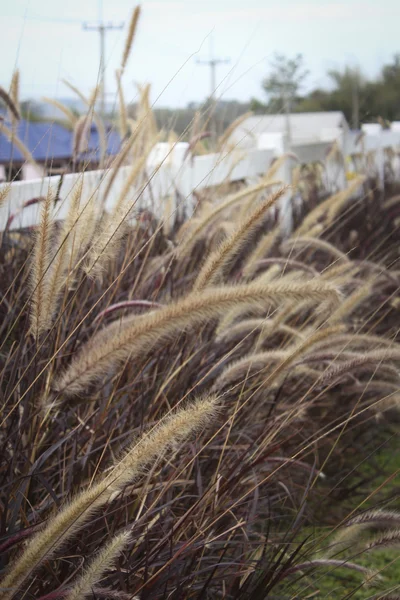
column 305, row 128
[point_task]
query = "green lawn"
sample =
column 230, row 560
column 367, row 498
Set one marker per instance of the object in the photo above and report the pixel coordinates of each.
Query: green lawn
column 340, row 583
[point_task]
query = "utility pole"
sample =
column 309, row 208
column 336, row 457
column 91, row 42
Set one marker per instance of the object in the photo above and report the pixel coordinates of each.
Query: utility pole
column 213, row 62
column 287, row 107
column 355, row 102
column 102, row 28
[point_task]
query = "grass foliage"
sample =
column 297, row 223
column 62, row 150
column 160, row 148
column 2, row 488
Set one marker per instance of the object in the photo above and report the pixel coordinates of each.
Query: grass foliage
column 183, row 398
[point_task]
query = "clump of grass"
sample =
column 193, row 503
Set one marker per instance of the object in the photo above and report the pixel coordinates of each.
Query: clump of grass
column 68, row 521
column 130, row 317
column 133, row 336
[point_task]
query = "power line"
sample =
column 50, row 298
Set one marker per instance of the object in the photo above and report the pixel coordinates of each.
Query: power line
column 43, row 19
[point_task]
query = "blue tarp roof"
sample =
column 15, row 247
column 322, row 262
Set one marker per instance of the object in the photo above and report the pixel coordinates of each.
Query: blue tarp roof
column 52, row 141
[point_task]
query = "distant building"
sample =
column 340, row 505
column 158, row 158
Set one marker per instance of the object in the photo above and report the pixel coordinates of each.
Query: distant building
column 50, row 145
column 305, row 128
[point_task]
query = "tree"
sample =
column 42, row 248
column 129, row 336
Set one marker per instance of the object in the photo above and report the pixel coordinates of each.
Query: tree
column 316, row 100
column 386, row 91
column 350, row 85
column 391, row 73
column 284, row 83
column 257, row 106
column 360, row 99
column 31, row 110
column 349, row 95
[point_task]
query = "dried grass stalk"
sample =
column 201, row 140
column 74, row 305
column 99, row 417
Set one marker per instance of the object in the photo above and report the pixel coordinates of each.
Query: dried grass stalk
column 4, row 191
column 123, row 123
column 261, row 360
column 11, row 135
column 104, row 560
column 9, row 102
column 372, row 358
column 41, row 258
column 260, row 251
column 385, row 540
column 98, row 121
column 14, row 87
column 229, row 130
column 329, row 208
column 86, row 223
column 364, row 340
column 380, row 517
column 62, row 260
column 193, row 234
column 118, row 161
column 258, row 362
column 314, row 243
column 113, row 228
column 231, row 247
column 235, row 314
column 130, row 37
column 243, row 328
column 131, row 337
column 265, row 327
column 351, row 303
column 71, row 117
column 278, row 164
column 147, row 122
column 329, row 562
column 80, row 138
column 14, row 95
column 76, row 91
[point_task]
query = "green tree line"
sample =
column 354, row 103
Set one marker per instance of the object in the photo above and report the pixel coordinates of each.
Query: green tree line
column 361, row 99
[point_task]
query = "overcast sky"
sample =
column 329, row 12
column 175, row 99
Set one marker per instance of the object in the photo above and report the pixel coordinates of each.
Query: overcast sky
column 45, row 39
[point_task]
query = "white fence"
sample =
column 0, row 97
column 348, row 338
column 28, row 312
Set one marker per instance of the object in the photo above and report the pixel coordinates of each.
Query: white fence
column 173, row 172
column 168, row 173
